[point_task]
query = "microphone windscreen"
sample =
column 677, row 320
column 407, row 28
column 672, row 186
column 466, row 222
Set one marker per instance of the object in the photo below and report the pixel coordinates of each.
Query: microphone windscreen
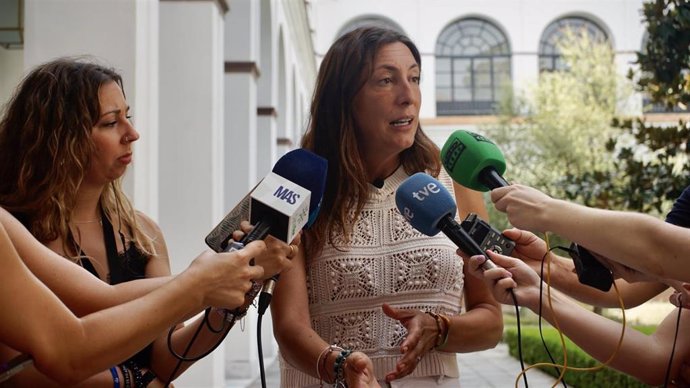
column 308, row 170
column 466, row 154
column 423, row 201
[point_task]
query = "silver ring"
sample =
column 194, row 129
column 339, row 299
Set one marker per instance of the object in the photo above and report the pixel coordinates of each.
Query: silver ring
column 126, row 138
column 419, row 358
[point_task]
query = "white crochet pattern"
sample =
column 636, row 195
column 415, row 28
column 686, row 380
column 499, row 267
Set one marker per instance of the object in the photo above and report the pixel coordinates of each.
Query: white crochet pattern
column 387, row 261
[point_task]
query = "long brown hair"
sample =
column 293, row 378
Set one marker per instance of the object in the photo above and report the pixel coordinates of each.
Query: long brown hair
column 45, row 148
column 331, row 133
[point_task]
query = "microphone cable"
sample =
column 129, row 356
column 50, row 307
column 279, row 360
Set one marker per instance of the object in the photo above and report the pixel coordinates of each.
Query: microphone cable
column 259, row 232
column 564, row 367
column 262, row 371
column 667, row 375
column 519, row 338
column 264, row 300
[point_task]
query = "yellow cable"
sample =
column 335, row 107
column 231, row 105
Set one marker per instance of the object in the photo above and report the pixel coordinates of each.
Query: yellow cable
column 564, row 367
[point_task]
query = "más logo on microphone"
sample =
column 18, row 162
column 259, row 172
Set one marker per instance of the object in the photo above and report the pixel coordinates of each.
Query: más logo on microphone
column 287, row 195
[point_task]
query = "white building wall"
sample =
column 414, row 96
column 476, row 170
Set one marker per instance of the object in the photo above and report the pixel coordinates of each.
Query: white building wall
column 127, row 40
column 11, row 73
column 191, row 138
column 523, row 23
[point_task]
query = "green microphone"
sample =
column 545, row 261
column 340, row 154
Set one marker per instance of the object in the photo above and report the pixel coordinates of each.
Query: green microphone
column 473, row 161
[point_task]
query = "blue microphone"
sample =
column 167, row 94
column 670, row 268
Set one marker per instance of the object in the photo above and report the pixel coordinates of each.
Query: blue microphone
column 307, row 170
column 430, row 209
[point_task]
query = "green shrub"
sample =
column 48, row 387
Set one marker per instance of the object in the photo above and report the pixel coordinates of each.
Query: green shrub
column 533, row 352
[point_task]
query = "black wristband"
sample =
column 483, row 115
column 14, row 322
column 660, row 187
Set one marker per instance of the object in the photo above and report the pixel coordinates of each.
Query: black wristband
column 127, row 382
column 148, row 377
column 136, row 372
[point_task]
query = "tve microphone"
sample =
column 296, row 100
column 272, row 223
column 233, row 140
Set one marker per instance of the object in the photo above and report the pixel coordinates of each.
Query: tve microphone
column 473, row 161
column 430, row 209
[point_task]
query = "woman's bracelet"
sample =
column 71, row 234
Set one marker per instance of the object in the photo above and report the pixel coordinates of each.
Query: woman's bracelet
column 148, row 377
column 439, row 326
column 322, row 365
column 125, row 376
column 339, row 369
column 116, row 377
column 446, row 320
column 136, row 373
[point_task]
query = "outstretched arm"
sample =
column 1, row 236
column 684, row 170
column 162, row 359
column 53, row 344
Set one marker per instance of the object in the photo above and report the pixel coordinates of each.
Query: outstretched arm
column 82, row 292
column 641, row 356
column 636, row 240
column 68, row 349
column 561, row 274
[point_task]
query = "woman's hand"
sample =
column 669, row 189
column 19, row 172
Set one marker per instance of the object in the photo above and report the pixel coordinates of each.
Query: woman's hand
column 422, row 334
column 226, row 277
column 359, row 371
column 511, row 275
column 278, row 255
column 524, row 205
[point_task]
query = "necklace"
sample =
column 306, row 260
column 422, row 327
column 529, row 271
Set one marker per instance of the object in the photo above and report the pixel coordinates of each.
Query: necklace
column 88, row 222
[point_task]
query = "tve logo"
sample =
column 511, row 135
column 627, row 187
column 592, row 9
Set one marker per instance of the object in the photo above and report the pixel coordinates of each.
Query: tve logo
column 407, row 213
column 426, row 191
column 287, row 195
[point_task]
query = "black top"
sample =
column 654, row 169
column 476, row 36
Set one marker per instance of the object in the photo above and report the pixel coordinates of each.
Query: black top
column 680, row 213
column 122, row 267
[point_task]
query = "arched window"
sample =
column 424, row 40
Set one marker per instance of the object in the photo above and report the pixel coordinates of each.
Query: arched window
column 368, row 21
column 472, row 66
column 550, row 57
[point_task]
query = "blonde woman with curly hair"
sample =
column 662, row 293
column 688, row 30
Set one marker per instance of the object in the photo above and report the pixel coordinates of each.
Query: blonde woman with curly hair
column 66, row 140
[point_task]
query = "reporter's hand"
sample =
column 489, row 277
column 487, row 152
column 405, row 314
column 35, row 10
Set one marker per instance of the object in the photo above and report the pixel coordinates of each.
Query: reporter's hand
column 422, row 333
column 528, row 247
column 226, row 277
column 524, row 206
column 511, row 273
column 680, row 297
column 359, row 371
column 278, row 255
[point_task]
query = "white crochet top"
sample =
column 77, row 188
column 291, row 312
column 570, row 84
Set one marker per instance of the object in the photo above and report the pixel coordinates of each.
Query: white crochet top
column 387, row 261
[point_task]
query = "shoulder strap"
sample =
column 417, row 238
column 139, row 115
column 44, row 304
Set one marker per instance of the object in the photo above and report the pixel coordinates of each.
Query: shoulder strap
column 114, row 266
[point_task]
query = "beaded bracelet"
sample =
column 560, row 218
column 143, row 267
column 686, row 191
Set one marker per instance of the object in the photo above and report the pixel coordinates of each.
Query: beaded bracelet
column 116, row 378
column 136, row 372
column 125, row 376
column 320, row 365
column 338, row 369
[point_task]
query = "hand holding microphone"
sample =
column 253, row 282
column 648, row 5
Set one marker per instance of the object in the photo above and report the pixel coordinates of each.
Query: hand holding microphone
column 285, row 201
column 477, row 163
column 525, row 206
